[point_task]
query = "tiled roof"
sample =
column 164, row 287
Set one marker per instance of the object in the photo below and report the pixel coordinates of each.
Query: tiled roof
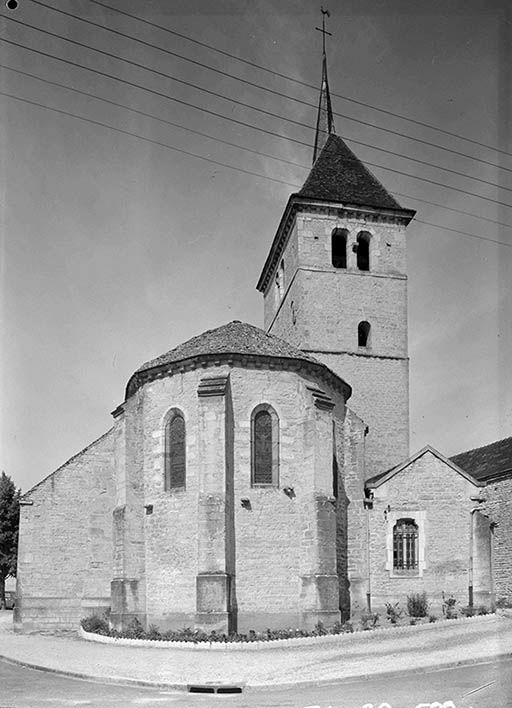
column 339, row 176
column 487, row 461
column 234, row 338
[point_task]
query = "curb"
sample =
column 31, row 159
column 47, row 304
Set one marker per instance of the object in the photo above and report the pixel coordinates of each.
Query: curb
column 182, row 687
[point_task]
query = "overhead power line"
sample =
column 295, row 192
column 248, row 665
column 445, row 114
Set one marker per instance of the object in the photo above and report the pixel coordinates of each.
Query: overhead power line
column 230, row 99
column 266, row 88
column 227, row 142
column 293, row 79
column 238, row 122
column 210, row 160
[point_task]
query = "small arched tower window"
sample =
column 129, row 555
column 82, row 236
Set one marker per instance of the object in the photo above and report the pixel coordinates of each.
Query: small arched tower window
column 264, row 446
column 339, row 248
column 175, row 452
column 363, row 250
column 405, row 545
column 363, row 334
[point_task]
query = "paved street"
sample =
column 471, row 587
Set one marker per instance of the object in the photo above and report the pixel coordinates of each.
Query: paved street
column 479, row 686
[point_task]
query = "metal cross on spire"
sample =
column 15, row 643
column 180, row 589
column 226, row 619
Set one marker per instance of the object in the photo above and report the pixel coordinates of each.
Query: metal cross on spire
column 324, row 121
column 322, row 29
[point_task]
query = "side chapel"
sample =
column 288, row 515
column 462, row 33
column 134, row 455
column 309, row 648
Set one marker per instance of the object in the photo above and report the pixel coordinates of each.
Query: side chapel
column 261, row 478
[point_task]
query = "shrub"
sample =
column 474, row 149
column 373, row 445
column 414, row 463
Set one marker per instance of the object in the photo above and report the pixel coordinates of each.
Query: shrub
column 369, row 620
column 96, row 624
column 134, row 630
column 417, row 604
column 393, row 612
column 449, row 609
column 503, row 603
column 153, row 632
column 432, row 619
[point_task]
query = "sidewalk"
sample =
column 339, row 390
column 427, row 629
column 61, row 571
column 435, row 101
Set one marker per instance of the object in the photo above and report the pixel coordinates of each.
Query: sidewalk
column 360, row 654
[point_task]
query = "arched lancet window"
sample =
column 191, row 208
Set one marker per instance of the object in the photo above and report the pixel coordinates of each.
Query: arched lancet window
column 175, row 452
column 363, row 334
column 339, row 248
column 264, row 446
column 363, row 250
column 405, row 545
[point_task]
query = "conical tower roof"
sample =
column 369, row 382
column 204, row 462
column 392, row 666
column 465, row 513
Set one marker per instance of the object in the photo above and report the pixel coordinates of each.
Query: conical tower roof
column 339, row 176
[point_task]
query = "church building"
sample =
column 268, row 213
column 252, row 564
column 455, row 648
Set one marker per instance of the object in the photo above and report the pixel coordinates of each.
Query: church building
column 262, row 478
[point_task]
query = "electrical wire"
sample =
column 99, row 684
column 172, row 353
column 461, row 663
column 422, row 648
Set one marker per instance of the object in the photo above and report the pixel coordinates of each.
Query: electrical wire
column 243, row 104
column 266, row 88
column 295, row 80
column 234, row 120
column 215, row 162
column 227, row 142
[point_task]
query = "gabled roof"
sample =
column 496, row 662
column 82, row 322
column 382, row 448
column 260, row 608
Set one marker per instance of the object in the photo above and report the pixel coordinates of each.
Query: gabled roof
column 382, row 477
column 488, row 461
column 232, row 339
column 339, row 176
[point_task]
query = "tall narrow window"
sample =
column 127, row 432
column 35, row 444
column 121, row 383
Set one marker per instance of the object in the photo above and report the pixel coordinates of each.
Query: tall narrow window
column 363, row 334
column 264, row 446
column 363, row 250
column 339, row 248
column 405, row 545
column 175, row 452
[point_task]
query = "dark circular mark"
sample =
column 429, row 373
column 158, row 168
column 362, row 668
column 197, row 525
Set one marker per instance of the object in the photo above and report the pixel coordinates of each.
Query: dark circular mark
column 11, row 4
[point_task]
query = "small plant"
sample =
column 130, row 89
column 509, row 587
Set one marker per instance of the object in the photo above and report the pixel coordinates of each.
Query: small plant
column 417, row 604
column 135, row 630
column 96, row 624
column 502, row 603
column 432, row 619
column 319, row 630
column 369, row 620
column 413, row 620
column 153, row 632
column 393, row 612
column 449, row 609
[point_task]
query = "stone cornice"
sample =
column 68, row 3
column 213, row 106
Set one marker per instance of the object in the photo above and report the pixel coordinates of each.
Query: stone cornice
column 296, row 204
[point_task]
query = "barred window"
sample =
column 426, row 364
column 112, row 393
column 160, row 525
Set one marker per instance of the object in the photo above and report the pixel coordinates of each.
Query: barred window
column 405, row 545
column 339, row 248
column 363, row 250
column 175, row 452
column 264, row 446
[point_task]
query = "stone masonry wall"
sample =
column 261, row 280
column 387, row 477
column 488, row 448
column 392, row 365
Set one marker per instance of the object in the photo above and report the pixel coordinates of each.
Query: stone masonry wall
column 65, row 547
column 438, row 498
column 265, row 539
column 498, row 506
column 322, row 308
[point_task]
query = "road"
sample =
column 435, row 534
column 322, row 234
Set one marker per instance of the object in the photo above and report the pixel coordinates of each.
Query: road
column 479, row 686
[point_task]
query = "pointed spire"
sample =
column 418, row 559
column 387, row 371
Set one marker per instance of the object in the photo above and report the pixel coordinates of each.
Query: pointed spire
column 324, row 121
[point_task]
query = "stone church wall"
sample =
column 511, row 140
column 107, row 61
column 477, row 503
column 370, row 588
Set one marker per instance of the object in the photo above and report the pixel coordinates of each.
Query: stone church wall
column 439, row 499
column 65, row 547
column 498, row 505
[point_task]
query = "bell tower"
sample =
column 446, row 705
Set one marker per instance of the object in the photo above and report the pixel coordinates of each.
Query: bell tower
column 335, row 285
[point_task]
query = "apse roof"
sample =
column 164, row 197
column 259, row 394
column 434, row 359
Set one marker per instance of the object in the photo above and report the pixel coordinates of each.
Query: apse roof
column 490, row 460
column 339, row 176
column 234, row 338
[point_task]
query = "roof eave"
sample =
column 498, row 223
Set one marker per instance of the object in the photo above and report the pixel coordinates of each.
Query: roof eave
column 143, row 376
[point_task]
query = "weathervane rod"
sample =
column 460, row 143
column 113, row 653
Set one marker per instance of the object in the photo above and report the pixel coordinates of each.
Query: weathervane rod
column 322, row 29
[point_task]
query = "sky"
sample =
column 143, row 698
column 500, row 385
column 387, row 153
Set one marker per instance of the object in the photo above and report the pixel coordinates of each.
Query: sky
column 114, row 249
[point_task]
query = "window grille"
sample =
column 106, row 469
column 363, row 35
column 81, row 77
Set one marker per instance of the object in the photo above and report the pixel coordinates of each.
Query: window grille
column 405, row 545
column 175, row 452
column 265, row 442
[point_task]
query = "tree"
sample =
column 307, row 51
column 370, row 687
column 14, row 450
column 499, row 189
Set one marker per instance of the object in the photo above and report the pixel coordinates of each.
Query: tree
column 9, row 523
